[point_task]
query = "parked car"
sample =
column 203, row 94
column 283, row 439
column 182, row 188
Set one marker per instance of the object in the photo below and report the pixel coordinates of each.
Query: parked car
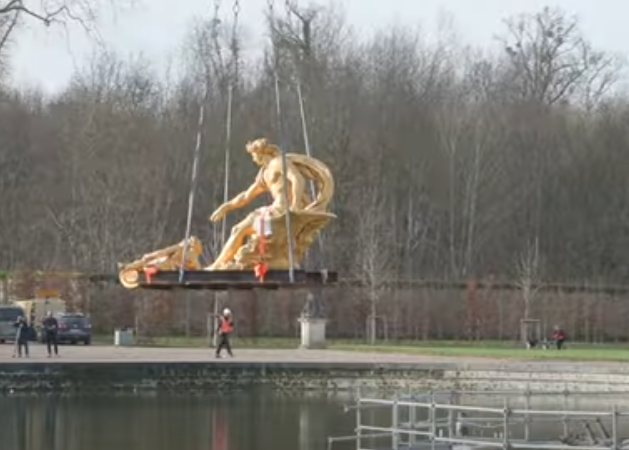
column 73, row 328
column 8, row 316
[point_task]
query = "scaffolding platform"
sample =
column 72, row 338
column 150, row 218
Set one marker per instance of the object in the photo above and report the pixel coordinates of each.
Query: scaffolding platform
column 445, row 421
column 222, row 280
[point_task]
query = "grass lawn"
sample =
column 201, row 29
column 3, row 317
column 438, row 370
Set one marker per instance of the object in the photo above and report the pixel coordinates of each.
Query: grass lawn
column 574, row 352
column 486, row 349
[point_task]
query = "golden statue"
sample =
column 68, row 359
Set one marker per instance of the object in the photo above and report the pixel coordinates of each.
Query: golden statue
column 261, row 239
column 267, row 225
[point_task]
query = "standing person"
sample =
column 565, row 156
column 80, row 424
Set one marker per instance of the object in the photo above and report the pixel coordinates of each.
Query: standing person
column 225, row 329
column 559, row 337
column 21, row 336
column 51, row 326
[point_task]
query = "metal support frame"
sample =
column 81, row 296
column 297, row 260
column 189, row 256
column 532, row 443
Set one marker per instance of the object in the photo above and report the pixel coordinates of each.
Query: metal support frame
column 438, row 421
column 224, row 280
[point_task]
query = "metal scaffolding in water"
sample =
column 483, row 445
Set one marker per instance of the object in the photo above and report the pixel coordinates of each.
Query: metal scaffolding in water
column 444, row 421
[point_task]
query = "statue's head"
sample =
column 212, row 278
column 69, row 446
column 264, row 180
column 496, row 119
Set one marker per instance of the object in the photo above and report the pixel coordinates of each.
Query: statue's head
column 261, row 151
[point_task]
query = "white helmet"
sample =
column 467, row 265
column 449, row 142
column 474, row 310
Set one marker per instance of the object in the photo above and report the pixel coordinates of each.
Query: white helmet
column 227, row 312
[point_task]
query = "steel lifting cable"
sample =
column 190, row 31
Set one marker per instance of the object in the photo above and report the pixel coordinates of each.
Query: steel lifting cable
column 289, row 225
column 233, row 79
column 304, row 124
column 195, row 163
column 290, row 10
column 280, row 131
column 304, row 128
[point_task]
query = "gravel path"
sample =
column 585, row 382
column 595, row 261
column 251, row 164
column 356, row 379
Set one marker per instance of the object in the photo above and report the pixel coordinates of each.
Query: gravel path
column 111, row 354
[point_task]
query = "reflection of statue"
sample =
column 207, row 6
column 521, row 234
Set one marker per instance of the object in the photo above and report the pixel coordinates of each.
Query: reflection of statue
column 168, row 258
column 243, row 250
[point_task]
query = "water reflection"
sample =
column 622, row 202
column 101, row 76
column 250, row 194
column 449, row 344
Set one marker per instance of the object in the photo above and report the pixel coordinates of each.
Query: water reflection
column 185, row 422
column 245, row 421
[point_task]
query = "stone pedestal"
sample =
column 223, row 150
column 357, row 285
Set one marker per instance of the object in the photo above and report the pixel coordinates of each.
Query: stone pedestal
column 312, row 332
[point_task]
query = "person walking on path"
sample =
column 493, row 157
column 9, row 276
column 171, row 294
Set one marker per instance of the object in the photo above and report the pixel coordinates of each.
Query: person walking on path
column 21, row 337
column 51, row 326
column 225, row 329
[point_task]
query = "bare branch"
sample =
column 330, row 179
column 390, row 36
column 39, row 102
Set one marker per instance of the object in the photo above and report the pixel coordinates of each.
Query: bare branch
column 85, row 13
column 8, row 24
column 47, row 17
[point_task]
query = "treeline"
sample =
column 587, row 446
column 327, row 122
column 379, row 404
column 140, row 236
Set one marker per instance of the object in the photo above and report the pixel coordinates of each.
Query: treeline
column 451, row 161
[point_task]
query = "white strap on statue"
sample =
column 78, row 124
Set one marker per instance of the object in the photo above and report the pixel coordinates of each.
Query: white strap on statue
column 263, row 224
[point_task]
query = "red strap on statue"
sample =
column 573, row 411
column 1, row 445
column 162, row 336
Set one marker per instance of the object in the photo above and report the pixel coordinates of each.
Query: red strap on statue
column 149, row 272
column 260, row 269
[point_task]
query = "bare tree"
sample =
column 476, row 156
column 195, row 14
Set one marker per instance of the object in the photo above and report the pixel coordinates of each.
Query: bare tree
column 476, row 207
column 8, row 23
column 373, row 258
column 528, row 273
column 211, row 54
column 550, row 61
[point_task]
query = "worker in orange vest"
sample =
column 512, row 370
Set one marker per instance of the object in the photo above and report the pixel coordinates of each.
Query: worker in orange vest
column 225, row 329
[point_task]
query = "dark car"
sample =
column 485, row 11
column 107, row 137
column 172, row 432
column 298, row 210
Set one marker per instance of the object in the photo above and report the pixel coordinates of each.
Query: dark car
column 73, row 328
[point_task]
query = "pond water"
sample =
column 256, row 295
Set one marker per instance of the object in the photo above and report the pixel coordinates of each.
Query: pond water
column 241, row 421
column 248, row 421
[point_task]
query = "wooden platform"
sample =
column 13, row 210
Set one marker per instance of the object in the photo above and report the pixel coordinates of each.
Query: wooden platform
column 236, row 279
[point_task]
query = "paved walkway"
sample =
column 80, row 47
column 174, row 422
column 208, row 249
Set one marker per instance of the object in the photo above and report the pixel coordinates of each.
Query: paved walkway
column 111, row 354
column 100, row 353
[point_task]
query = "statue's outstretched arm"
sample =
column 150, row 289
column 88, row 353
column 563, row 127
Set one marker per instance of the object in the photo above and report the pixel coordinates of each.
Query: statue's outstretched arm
column 246, row 197
column 239, row 200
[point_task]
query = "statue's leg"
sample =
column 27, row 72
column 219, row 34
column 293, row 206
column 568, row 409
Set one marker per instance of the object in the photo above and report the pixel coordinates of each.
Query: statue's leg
column 238, row 234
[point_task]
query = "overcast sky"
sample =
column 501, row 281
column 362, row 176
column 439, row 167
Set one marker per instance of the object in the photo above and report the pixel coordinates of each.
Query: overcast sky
column 156, row 28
